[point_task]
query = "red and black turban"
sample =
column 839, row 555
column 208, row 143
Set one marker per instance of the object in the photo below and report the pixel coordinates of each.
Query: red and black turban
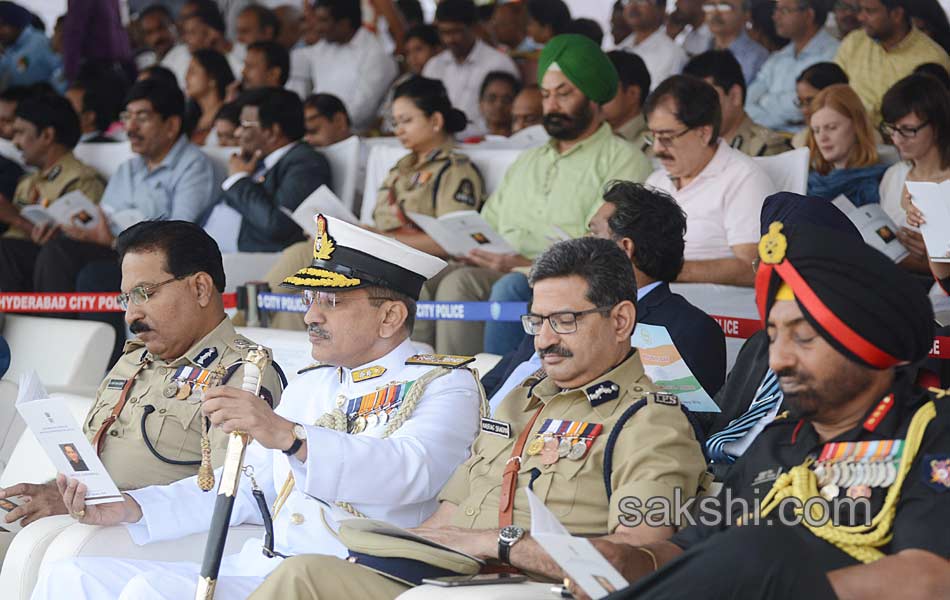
column 859, row 301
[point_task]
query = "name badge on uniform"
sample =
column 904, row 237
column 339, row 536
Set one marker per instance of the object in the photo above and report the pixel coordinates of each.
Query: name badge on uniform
column 116, row 384
column 499, row 428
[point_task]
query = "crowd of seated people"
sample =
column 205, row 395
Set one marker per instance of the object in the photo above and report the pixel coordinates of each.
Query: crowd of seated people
column 640, row 159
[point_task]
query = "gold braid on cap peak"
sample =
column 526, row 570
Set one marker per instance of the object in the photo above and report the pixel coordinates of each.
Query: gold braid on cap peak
column 773, row 245
column 322, row 278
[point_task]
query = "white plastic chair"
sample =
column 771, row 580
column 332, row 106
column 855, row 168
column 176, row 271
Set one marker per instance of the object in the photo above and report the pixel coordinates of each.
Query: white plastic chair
column 11, row 425
column 788, row 170
column 721, row 300
column 344, row 159
column 104, row 158
column 491, row 162
column 241, row 267
column 76, row 361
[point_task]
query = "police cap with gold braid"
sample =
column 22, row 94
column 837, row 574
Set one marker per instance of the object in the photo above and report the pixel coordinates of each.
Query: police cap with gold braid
column 859, row 301
column 349, row 257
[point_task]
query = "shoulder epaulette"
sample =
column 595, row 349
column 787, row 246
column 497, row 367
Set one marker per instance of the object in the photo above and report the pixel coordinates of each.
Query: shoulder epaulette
column 313, row 367
column 450, row 361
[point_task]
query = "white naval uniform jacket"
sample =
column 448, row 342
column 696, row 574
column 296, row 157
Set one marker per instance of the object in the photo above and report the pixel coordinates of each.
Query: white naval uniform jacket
column 395, row 479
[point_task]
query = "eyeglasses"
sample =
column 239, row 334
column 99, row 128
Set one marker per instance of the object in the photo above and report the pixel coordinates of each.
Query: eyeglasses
column 327, row 300
column 249, row 124
column 561, row 322
column 140, row 294
column 906, row 131
column 800, row 102
column 141, row 117
column 787, row 10
column 652, row 138
column 847, row 7
column 718, row 7
column 641, row 2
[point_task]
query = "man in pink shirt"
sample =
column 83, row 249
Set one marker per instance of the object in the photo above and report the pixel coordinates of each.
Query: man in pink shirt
column 721, row 190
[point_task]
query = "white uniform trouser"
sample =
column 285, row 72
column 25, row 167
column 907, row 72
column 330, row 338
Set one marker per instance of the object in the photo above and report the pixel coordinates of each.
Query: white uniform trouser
column 95, row 578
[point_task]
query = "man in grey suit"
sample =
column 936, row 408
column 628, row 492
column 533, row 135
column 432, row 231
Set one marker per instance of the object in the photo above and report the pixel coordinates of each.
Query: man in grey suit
column 269, row 178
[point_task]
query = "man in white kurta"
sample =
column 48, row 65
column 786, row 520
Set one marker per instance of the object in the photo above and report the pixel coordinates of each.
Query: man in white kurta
column 394, row 478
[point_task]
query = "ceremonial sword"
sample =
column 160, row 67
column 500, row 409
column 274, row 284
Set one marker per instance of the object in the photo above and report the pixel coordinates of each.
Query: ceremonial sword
column 254, row 364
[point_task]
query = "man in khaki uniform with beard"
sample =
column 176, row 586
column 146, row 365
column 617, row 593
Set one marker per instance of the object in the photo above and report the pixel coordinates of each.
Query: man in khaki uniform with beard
column 554, row 434
column 146, row 423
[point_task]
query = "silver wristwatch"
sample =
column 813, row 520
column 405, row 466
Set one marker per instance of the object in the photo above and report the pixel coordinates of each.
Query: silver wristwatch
column 507, row 538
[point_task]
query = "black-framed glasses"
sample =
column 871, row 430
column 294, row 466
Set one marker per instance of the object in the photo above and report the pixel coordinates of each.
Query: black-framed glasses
column 906, row 131
column 800, row 102
column 140, row 294
column 652, row 137
column 561, row 322
column 846, row 6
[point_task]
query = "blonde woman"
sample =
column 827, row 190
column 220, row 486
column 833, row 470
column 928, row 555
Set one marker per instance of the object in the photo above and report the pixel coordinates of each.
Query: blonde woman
column 844, row 158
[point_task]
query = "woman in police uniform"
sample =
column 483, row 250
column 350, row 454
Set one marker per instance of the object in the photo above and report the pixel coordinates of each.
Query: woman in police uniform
column 433, row 179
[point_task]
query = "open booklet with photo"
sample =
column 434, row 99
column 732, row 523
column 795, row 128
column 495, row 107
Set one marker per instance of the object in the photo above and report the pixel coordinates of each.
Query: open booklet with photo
column 877, row 229
column 933, row 200
column 73, row 210
column 575, row 555
column 57, row 432
column 462, row 231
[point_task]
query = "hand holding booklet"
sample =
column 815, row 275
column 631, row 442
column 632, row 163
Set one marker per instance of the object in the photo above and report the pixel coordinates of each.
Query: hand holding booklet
column 72, row 209
column 575, row 555
column 57, row 432
column 462, row 231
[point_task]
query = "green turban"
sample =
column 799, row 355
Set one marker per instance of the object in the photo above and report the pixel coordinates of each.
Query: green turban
column 583, row 63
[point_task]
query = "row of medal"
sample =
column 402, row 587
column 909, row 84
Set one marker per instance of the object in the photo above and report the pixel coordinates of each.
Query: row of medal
column 375, row 408
column 557, row 439
column 857, row 466
column 188, row 380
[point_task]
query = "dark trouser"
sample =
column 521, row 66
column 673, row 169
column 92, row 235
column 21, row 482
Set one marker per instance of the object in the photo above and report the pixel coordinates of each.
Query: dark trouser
column 17, row 259
column 60, row 260
column 104, row 276
column 747, row 562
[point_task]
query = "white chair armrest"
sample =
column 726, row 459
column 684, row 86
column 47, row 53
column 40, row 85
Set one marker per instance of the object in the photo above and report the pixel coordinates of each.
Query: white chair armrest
column 528, row 590
column 90, row 540
column 22, row 562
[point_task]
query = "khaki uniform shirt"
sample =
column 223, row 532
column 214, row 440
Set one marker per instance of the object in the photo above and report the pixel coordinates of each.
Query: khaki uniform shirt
column 633, row 131
column 45, row 187
column 656, row 452
column 174, row 427
column 445, row 182
column 757, row 140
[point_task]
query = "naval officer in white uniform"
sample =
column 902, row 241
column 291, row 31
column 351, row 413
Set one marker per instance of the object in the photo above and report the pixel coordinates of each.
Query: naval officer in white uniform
column 393, row 426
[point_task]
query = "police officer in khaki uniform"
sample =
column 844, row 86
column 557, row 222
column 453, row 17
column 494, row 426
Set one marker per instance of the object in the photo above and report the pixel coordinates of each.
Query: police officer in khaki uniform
column 146, row 422
column 45, row 130
column 433, row 179
column 758, row 140
column 721, row 70
column 554, row 434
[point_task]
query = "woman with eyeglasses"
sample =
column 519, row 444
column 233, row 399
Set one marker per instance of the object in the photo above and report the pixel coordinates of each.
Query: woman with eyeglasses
column 844, row 159
column 916, row 112
column 811, row 81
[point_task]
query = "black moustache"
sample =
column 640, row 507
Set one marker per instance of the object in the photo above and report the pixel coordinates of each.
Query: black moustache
column 139, row 327
column 556, row 351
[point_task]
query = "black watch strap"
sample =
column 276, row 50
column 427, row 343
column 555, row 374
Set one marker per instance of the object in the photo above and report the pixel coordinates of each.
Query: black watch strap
column 504, row 551
column 294, row 447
